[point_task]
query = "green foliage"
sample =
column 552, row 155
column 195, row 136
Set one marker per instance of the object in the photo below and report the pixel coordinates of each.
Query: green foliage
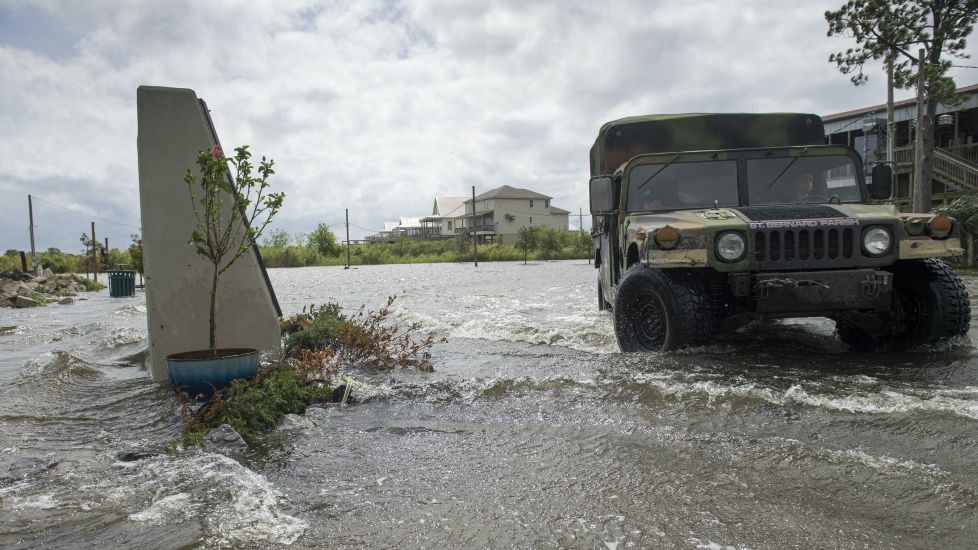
column 226, row 230
column 886, row 29
column 459, row 249
column 91, row 286
column 367, row 338
column 278, row 238
column 136, row 253
column 550, row 244
column 316, row 330
column 324, row 241
column 527, row 239
column 254, row 407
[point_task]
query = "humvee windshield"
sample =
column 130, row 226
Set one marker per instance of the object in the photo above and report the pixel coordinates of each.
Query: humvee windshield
column 770, row 180
column 802, row 179
column 678, row 186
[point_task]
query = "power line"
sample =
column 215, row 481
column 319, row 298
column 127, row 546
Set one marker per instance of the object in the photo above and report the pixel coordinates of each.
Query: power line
column 86, row 214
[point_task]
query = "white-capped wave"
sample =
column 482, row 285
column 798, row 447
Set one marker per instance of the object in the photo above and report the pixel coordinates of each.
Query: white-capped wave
column 236, row 506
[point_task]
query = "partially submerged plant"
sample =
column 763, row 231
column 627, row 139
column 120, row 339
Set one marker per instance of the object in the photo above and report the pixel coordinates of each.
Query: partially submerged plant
column 255, row 406
column 227, row 230
column 367, row 338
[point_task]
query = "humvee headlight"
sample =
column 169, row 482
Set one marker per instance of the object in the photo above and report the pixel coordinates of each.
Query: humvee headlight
column 666, row 237
column 876, row 241
column 731, row 246
column 939, row 227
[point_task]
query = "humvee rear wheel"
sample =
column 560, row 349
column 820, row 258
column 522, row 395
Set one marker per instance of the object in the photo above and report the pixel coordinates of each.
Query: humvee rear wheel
column 930, row 304
column 653, row 313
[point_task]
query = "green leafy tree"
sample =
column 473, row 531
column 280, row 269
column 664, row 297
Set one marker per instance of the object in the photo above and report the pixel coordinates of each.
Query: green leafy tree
column 136, row 252
column 894, row 31
column 277, row 238
column 549, row 243
column 231, row 213
column 323, row 240
column 527, row 239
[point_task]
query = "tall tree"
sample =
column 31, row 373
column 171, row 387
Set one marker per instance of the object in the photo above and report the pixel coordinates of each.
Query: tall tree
column 526, row 239
column 323, row 240
column 277, row 238
column 894, row 31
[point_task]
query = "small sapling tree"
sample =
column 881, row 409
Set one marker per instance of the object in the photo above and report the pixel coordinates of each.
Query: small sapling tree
column 231, row 212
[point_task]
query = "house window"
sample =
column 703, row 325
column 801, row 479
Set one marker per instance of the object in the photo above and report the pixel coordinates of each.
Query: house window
column 449, row 225
column 531, row 217
column 531, row 203
column 546, row 203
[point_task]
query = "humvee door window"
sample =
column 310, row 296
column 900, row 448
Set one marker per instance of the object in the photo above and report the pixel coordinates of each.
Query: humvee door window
column 788, row 180
column 682, row 185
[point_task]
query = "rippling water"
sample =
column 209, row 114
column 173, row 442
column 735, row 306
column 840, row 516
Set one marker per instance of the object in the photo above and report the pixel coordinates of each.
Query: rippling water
column 532, row 432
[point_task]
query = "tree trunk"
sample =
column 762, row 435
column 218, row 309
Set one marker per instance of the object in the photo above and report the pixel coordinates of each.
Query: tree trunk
column 213, row 331
column 923, row 170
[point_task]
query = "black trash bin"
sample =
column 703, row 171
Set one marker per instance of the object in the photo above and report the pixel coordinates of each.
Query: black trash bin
column 122, row 283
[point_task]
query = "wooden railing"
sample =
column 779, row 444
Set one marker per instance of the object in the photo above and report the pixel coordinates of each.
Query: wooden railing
column 956, row 166
column 955, row 171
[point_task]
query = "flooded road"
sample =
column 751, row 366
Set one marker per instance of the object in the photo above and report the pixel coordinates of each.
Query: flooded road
column 532, row 432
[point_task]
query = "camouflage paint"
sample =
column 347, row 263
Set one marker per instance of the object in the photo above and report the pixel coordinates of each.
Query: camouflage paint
column 622, row 139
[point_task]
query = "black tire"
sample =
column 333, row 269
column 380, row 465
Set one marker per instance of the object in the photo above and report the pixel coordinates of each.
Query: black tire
column 654, row 313
column 930, row 304
column 603, row 304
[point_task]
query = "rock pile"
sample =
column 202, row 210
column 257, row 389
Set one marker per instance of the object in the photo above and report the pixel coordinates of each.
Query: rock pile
column 19, row 289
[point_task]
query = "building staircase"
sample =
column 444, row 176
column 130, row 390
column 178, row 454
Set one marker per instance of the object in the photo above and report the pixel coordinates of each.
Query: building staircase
column 955, row 171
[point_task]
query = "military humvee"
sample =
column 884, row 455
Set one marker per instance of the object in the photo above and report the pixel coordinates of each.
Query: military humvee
column 704, row 222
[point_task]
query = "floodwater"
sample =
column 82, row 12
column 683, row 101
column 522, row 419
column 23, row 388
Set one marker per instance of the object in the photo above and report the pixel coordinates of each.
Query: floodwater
column 533, row 432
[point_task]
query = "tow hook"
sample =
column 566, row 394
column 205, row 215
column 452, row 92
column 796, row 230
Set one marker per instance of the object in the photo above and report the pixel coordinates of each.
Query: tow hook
column 876, row 283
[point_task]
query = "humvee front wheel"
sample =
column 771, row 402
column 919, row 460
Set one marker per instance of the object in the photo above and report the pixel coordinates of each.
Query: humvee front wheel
column 654, row 313
column 929, row 304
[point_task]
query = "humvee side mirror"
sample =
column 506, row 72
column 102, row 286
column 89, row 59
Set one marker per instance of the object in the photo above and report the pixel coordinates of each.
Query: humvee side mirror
column 882, row 186
column 602, row 195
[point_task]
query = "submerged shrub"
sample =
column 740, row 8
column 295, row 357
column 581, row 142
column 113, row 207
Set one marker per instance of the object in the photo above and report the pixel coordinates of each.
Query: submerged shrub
column 254, row 407
column 316, row 330
column 367, row 338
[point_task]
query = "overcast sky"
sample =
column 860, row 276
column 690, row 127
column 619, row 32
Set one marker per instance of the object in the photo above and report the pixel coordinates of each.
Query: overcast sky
column 379, row 106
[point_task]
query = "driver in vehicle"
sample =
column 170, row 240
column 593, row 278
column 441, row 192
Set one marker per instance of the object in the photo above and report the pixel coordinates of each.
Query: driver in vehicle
column 802, row 188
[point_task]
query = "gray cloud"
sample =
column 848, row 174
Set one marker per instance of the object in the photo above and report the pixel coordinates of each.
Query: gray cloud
column 378, row 106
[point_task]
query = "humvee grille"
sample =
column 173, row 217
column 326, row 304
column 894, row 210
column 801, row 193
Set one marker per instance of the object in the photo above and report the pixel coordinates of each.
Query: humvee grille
column 805, row 247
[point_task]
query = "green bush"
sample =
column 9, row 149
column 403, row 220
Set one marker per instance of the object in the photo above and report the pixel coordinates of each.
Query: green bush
column 254, row 407
column 316, row 330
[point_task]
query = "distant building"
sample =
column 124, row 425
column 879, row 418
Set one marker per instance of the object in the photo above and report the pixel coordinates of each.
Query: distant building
column 501, row 212
column 409, row 227
column 441, row 223
column 955, row 136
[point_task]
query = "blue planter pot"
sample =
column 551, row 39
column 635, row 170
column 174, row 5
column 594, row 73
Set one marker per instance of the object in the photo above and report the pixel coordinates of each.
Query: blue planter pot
column 203, row 372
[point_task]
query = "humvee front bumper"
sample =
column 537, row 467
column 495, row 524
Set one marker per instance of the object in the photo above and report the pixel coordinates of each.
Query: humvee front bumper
column 815, row 291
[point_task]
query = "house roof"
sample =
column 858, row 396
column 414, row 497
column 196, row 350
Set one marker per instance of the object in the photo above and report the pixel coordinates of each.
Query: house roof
column 389, row 226
column 882, row 106
column 448, row 206
column 409, row 222
column 555, row 210
column 507, row 192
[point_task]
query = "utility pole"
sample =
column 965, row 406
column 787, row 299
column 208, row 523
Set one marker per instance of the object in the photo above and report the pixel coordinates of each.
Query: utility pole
column 580, row 217
column 921, row 193
column 30, row 214
column 347, row 239
column 94, row 254
column 890, row 134
column 475, row 237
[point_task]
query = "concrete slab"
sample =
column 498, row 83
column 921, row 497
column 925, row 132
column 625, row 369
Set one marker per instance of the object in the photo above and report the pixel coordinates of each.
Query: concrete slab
column 173, row 126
